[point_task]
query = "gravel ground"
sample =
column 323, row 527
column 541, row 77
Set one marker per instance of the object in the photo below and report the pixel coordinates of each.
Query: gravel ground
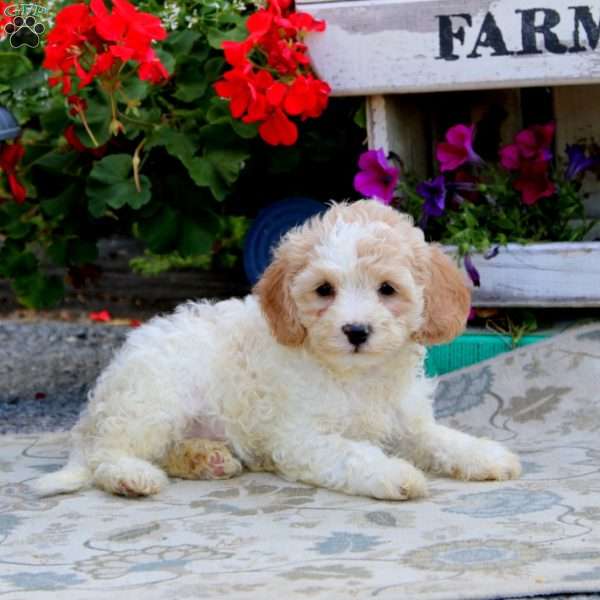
column 46, row 369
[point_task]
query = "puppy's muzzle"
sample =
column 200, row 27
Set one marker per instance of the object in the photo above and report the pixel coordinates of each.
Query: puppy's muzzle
column 357, row 333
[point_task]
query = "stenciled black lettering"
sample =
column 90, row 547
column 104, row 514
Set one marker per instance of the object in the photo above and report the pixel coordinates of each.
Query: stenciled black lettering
column 448, row 35
column 583, row 17
column 530, row 31
column 490, row 36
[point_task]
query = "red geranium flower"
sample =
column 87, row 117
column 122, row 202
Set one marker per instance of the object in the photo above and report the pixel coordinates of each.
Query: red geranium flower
column 151, row 69
column 75, row 143
column 307, row 97
column 102, row 39
column 101, row 316
column 4, row 19
column 10, row 156
column 278, row 129
column 288, row 88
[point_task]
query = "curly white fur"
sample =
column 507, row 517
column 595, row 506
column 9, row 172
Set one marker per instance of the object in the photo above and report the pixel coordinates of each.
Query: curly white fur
column 275, row 376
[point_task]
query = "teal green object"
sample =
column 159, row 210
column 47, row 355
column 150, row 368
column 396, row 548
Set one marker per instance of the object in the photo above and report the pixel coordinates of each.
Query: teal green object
column 472, row 348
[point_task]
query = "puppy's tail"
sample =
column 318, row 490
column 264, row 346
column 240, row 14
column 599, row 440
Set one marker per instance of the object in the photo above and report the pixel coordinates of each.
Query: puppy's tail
column 72, row 477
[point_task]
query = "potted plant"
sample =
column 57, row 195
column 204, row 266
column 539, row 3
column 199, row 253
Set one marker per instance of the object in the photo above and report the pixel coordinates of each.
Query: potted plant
column 517, row 222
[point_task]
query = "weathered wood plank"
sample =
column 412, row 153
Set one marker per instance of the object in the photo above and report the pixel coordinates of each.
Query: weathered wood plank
column 398, row 124
column 124, row 292
column 404, row 46
column 542, row 275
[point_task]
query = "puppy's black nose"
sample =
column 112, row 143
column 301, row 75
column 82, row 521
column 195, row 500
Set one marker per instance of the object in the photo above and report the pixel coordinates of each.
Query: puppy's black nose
column 357, row 333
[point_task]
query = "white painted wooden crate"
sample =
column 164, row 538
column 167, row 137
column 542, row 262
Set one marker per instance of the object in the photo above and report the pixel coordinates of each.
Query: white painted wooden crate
column 543, row 275
column 398, row 52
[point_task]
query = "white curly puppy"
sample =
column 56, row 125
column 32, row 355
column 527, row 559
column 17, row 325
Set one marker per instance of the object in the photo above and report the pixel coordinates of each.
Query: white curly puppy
column 317, row 376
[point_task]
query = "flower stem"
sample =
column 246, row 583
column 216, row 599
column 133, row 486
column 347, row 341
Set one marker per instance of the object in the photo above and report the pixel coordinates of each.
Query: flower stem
column 87, row 128
column 135, row 161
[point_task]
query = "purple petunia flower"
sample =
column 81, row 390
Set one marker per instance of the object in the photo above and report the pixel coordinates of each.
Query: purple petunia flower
column 492, row 253
column 434, row 194
column 578, row 162
column 472, row 271
column 377, row 178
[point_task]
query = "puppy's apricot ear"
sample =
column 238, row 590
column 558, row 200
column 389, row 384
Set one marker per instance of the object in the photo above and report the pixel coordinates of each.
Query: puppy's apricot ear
column 276, row 301
column 447, row 300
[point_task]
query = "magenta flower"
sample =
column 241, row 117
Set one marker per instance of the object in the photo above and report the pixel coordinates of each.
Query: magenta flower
column 535, row 142
column 377, row 178
column 534, row 182
column 531, row 145
column 458, row 148
column 510, row 157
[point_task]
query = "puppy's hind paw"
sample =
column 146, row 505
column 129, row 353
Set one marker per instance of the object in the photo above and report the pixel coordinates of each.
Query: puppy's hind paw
column 130, row 477
column 197, row 458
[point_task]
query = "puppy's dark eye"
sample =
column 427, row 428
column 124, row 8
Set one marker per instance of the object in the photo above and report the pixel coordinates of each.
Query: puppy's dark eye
column 385, row 289
column 325, row 290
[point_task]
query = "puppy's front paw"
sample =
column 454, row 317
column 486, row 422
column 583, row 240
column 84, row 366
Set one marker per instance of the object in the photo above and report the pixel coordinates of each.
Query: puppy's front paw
column 397, row 480
column 487, row 461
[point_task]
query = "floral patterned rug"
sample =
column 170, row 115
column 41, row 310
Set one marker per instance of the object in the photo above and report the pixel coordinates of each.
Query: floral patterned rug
column 259, row 537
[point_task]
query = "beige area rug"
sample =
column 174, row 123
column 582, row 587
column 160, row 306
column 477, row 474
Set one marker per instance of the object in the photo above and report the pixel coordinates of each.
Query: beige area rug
column 259, row 537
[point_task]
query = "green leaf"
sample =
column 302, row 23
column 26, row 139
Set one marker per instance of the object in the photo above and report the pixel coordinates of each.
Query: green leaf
column 167, row 59
column 190, row 81
column 62, row 204
column 57, row 162
column 15, row 260
column 134, row 88
column 244, row 130
column 12, row 221
column 216, row 36
column 360, row 116
column 137, row 199
column 176, row 143
column 111, row 184
column 228, row 163
column 200, row 170
column 29, row 81
column 112, row 169
column 218, row 112
column 217, row 169
column 54, row 120
column 160, row 232
column 213, row 68
column 13, row 64
column 58, row 252
column 36, row 290
column 195, row 239
column 181, row 42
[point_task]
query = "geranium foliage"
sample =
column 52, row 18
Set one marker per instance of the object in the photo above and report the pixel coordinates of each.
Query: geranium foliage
column 124, row 133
